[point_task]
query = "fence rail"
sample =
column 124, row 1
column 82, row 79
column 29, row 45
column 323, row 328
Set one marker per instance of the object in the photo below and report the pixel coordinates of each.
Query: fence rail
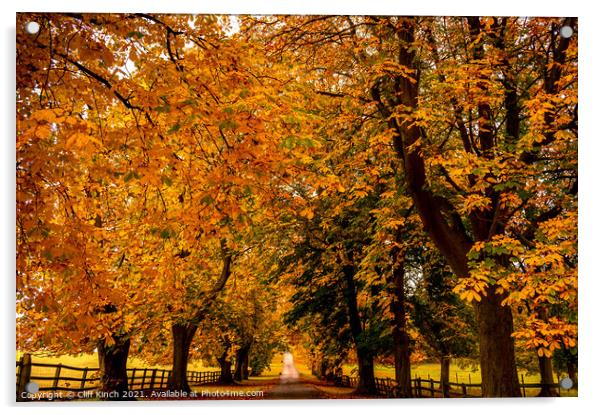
column 430, row 388
column 63, row 378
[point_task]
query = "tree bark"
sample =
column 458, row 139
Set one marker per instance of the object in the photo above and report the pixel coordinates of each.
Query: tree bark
column 182, row 338
column 496, row 347
column 242, row 360
column 245, row 367
column 322, row 369
column 572, row 371
column 401, row 340
column 546, row 372
column 225, row 365
column 366, row 384
column 112, row 363
column 445, row 361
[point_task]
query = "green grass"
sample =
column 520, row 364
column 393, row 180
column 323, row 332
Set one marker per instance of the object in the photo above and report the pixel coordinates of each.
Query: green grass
column 433, row 370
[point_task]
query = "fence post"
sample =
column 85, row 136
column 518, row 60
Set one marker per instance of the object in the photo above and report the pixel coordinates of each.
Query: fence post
column 522, row 379
column 445, row 389
column 132, row 379
column 84, row 376
column 24, row 375
column 153, row 376
column 57, row 375
column 432, row 387
column 419, row 381
column 143, row 379
column 464, row 390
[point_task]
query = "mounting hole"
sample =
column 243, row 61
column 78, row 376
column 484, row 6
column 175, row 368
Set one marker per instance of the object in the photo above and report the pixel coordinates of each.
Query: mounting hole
column 32, row 28
column 566, row 31
column 566, row 383
column 32, row 387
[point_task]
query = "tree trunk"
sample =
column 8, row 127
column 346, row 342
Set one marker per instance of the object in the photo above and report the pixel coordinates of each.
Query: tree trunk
column 547, row 377
column 182, row 338
column 572, row 371
column 366, row 384
column 242, row 360
column 445, row 361
column 225, row 365
column 245, row 367
column 496, row 347
column 112, row 363
column 401, row 340
column 323, row 369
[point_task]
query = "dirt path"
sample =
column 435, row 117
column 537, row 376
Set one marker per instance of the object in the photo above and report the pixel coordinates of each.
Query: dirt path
column 294, row 390
column 290, row 386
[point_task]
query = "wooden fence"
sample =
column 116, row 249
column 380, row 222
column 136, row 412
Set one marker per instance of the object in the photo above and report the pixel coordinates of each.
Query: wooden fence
column 429, row 388
column 54, row 378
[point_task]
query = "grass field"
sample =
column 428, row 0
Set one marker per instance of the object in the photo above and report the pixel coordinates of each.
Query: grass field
column 433, row 370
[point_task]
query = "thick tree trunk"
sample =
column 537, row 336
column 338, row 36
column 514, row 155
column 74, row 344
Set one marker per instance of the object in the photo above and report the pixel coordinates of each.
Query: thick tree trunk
column 445, row 361
column 366, row 385
column 546, row 372
column 401, row 340
column 182, row 338
column 225, row 365
column 496, row 347
column 365, row 360
column 242, row 360
column 112, row 363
